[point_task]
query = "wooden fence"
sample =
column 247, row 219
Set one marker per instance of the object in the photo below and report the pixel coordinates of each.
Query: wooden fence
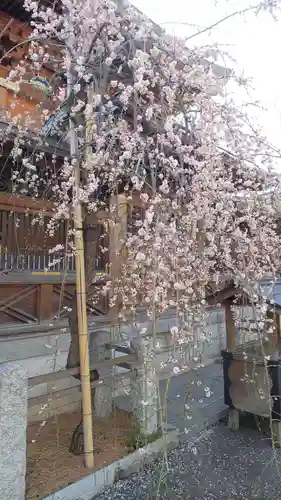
column 58, row 399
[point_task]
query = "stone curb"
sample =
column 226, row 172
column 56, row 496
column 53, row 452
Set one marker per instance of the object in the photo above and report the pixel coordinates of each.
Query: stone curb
column 90, row 486
column 148, row 454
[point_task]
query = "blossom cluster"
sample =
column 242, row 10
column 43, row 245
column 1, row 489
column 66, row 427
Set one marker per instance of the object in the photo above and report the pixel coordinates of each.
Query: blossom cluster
column 153, row 120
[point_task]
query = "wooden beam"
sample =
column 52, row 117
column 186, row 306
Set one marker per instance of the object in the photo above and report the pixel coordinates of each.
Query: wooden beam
column 3, row 98
column 64, row 374
column 13, row 202
column 57, row 395
column 22, row 204
column 118, row 348
column 220, row 296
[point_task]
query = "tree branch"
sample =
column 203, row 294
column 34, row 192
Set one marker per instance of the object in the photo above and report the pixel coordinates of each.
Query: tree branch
column 6, row 27
column 229, row 16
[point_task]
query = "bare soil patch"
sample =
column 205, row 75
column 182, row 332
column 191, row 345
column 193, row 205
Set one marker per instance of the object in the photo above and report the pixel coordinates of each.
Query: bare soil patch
column 50, row 465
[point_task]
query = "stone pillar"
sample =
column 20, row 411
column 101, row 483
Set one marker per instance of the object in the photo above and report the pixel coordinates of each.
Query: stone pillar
column 103, row 392
column 13, row 424
column 144, row 389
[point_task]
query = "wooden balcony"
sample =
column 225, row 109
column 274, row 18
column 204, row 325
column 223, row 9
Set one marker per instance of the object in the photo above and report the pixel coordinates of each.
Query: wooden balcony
column 25, row 242
column 37, row 285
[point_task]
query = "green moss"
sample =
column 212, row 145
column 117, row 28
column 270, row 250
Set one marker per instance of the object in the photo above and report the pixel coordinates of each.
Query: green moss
column 138, row 438
column 162, row 334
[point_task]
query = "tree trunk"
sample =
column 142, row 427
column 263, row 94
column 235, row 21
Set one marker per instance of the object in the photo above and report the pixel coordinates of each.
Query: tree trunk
column 77, row 441
column 91, row 233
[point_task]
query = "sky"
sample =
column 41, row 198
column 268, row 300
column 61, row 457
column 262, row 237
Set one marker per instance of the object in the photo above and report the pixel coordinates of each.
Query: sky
column 253, row 41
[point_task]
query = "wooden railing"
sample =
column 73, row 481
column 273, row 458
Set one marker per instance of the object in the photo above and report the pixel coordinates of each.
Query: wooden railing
column 24, row 239
column 128, row 361
column 26, row 244
column 32, row 261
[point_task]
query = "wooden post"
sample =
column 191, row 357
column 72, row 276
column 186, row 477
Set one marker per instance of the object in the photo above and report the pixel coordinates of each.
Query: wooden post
column 276, row 431
column 45, row 302
column 117, row 233
column 230, row 327
column 3, row 99
column 233, row 419
column 278, row 321
column 273, row 347
column 233, row 416
column 276, row 424
column 277, row 334
column 117, row 251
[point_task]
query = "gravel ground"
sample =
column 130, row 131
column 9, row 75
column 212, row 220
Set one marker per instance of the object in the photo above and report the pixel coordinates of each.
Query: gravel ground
column 219, row 465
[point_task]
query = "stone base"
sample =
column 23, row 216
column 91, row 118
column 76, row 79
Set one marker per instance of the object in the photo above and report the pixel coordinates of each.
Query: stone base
column 13, row 424
column 144, row 388
column 102, row 400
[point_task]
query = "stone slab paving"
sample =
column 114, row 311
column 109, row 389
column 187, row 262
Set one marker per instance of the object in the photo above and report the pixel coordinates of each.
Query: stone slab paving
column 190, row 407
column 194, row 399
column 220, row 464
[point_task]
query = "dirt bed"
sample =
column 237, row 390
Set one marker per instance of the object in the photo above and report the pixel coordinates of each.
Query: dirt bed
column 50, row 465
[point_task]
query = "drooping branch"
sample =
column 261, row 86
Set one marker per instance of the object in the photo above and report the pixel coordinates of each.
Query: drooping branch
column 269, row 5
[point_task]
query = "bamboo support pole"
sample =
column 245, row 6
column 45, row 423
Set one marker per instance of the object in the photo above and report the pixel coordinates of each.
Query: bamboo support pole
column 83, row 333
column 81, row 304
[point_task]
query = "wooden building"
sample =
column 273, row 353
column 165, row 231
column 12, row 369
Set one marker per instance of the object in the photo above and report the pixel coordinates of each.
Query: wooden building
column 36, row 284
column 28, row 293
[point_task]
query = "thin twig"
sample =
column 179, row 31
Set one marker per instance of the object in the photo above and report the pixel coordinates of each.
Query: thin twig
column 225, row 18
column 29, row 40
column 94, row 40
column 6, row 27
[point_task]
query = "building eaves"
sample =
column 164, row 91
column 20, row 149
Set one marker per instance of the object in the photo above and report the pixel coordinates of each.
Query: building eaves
column 15, row 8
column 35, row 142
